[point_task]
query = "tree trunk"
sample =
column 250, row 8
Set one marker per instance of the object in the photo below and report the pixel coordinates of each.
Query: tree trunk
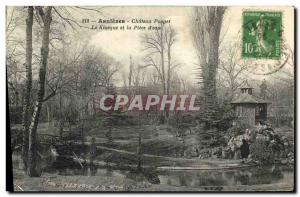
column 28, row 65
column 162, row 56
column 130, row 73
column 139, row 152
column 169, row 70
column 32, row 150
column 61, row 122
column 48, row 115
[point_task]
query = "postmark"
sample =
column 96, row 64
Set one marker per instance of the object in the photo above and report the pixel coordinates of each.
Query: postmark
column 262, row 31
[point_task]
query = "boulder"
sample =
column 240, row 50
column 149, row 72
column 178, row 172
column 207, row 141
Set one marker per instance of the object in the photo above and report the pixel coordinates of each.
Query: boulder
column 236, row 141
column 280, row 144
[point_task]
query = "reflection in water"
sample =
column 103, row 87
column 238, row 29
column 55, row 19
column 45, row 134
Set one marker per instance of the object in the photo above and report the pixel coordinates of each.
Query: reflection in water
column 93, row 170
column 252, row 176
column 137, row 176
column 183, row 180
column 190, row 178
column 109, row 172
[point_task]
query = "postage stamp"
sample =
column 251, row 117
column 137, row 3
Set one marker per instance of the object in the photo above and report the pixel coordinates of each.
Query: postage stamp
column 262, row 34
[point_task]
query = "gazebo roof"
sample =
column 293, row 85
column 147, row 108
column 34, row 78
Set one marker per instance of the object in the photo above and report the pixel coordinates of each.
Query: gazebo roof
column 246, row 86
column 248, row 98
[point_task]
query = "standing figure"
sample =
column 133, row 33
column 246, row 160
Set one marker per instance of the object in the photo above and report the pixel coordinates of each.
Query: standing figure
column 244, row 150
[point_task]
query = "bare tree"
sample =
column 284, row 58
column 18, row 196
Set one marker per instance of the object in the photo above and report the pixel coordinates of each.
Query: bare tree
column 231, row 68
column 107, row 69
column 159, row 45
column 28, row 86
column 170, row 39
column 15, row 56
column 45, row 14
column 130, row 72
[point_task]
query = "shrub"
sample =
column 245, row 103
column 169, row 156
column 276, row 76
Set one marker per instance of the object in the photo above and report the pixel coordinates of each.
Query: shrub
column 261, row 152
column 15, row 115
column 239, row 127
column 224, row 116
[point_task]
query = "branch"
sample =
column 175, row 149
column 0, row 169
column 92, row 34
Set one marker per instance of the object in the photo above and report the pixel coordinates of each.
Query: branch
column 53, row 93
column 41, row 13
column 90, row 9
column 68, row 20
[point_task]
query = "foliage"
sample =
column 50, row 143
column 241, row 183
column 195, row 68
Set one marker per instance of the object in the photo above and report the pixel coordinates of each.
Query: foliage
column 71, row 114
column 239, row 127
column 261, row 152
column 15, row 116
column 207, row 34
column 224, row 116
column 282, row 120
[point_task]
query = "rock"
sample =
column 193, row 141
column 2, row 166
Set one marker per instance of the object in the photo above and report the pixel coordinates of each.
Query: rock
column 290, row 154
column 217, row 152
column 236, row 142
column 227, row 153
column 204, row 153
column 262, row 137
column 284, row 161
column 279, row 145
column 237, row 154
column 195, row 152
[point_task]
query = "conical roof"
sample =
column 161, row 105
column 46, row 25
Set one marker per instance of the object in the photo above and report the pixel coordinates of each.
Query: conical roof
column 245, row 97
column 248, row 98
column 246, row 85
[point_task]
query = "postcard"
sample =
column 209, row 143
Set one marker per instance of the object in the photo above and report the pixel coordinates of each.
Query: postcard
column 150, row 98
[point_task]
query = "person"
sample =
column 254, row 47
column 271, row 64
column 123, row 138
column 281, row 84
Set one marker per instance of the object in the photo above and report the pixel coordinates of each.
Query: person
column 244, row 150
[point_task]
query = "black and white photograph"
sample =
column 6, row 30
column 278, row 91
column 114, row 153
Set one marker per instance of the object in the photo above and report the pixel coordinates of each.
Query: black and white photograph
column 150, row 98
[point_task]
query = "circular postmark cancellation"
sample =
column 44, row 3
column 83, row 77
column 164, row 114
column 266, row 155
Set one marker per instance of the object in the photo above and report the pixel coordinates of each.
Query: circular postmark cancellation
column 262, row 44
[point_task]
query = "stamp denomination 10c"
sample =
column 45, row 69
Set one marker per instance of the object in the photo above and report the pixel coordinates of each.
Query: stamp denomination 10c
column 262, row 32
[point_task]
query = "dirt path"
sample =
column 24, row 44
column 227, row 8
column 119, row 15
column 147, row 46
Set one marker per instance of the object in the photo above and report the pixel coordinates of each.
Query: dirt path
column 193, row 164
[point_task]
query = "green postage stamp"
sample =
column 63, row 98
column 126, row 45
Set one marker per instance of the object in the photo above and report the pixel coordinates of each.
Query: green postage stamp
column 262, row 34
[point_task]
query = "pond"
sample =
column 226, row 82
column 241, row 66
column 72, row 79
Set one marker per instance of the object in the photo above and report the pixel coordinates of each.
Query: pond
column 197, row 178
column 250, row 176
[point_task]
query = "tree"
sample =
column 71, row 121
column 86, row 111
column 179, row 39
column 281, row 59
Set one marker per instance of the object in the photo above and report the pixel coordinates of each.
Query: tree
column 231, row 68
column 28, row 85
column 107, row 69
column 159, row 47
column 38, row 21
column 136, row 76
column 14, row 61
column 130, row 71
column 207, row 22
column 45, row 14
column 95, row 73
column 170, row 39
column 263, row 89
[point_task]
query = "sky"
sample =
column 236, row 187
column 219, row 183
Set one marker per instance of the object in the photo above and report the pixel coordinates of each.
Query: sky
column 121, row 44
